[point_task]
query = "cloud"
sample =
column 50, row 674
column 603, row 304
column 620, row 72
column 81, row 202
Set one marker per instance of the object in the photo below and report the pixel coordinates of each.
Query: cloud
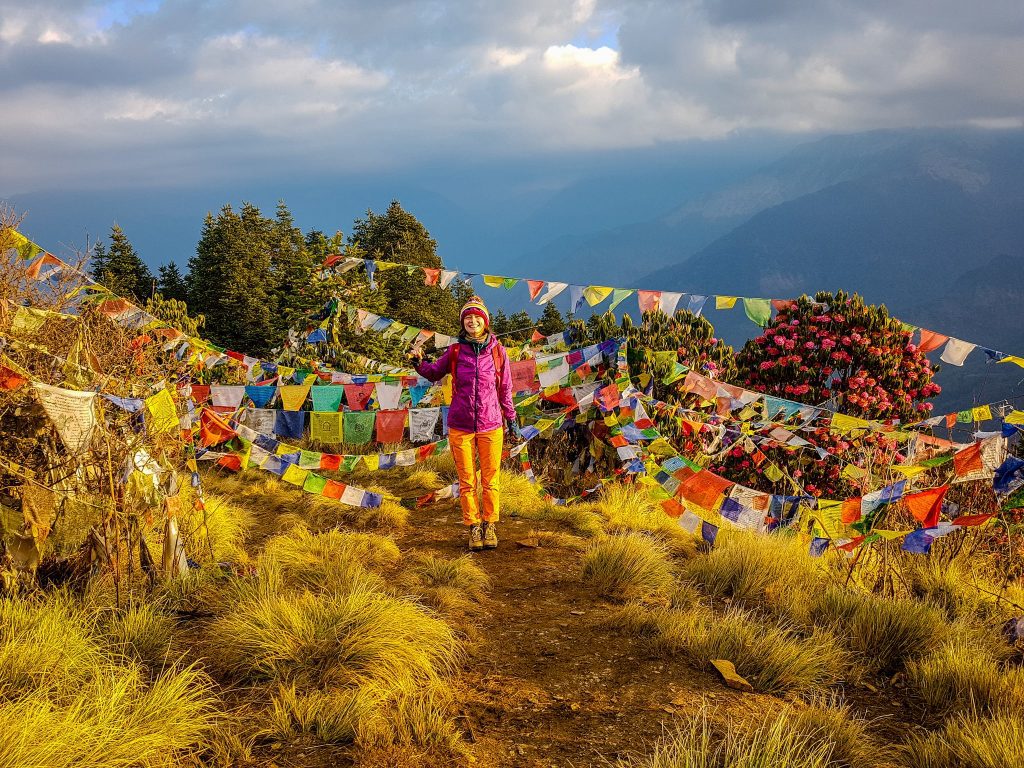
column 144, row 91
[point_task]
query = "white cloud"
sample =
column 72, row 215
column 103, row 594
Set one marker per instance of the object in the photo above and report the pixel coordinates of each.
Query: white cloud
column 198, row 88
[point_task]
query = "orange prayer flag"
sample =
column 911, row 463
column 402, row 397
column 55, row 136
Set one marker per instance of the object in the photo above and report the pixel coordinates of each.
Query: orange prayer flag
column 333, row 490
column 967, row 521
column 431, row 276
column 672, row 508
column 213, row 430
column 930, row 340
column 648, row 300
column 231, row 462
column 703, row 488
column 968, row 460
column 537, row 336
column 114, row 307
column 851, row 511
column 950, row 420
column 47, row 259
column 535, row 286
column 11, row 379
column 926, row 505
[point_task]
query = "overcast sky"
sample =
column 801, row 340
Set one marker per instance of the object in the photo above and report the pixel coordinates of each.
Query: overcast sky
column 150, row 92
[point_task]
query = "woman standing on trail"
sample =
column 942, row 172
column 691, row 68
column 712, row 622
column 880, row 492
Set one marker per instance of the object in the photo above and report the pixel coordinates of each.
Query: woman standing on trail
column 481, row 401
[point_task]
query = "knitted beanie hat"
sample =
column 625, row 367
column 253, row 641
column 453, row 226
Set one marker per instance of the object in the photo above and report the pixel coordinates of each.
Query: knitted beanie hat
column 475, row 306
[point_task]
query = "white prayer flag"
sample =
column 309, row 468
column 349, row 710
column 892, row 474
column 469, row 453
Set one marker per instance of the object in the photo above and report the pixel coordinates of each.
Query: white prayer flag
column 71, row 413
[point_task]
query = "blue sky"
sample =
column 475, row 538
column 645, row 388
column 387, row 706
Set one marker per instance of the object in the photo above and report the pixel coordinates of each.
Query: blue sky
column 195, row 91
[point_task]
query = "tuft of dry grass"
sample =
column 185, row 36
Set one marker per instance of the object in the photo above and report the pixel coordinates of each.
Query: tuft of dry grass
column 772, row 570
column 961, row 677
column 342, row 638
column 851, row 744
column 582, row 519
column 459, row 573
column 628, row 566
column 140, row 633
column 223, row 529
column 969, row 741
column 333, row 560
column 629, row 508
column 518, row 495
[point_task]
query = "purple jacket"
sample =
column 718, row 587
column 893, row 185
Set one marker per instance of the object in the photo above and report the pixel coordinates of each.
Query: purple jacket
column 478, row 404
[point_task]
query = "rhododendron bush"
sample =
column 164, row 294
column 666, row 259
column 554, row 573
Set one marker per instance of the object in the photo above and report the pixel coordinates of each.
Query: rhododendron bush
column 835, row 350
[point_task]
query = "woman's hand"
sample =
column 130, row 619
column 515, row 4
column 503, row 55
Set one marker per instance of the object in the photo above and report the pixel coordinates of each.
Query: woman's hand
column 511, row 428
column 416, row 355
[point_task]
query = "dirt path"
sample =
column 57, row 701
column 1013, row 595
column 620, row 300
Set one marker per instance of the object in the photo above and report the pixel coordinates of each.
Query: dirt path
column 549, row 685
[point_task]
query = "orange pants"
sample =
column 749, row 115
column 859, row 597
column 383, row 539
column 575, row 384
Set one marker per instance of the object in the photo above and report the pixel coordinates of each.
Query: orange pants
column 465, row 447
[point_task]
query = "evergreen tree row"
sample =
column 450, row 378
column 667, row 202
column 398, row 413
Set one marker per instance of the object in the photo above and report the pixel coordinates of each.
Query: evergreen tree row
column 252, row 279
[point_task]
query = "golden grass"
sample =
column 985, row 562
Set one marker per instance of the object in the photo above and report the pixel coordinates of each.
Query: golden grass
column 71, row 694
column 629, row 508
column 139, row 633
column 518, row 495
column 582, row 519
column 390, row 515
column 773, row 659
column 773, row 570
column 329, row 560
column 969, row 741
column 628, row 566
column 851, row 744
column 332, row 716
column 699, row 742
column 340, row 638
column 885, row 634
column 951, row 586
column 459, row 573
column 961, row 677
column 226, row 527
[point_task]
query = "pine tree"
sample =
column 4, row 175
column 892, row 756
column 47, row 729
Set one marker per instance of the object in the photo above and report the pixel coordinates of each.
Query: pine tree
column 231, row 283
column 398, row 236
column 291, row 267
column 170, row 282
column 551, row 320
column 120, row 269
column 175, row 313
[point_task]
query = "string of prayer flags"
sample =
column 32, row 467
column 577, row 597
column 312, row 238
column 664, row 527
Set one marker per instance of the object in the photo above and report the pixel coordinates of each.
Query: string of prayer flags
column 71, row 412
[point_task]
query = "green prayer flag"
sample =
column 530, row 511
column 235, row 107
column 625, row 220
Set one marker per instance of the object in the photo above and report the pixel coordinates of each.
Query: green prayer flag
column 618, row 296
column 358, row 427
column 327, row 397
column 314, row 483
column 758, row 310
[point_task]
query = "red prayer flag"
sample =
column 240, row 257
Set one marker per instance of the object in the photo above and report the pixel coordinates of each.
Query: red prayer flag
column 431, row 276
column 781, row 304
column 47, row 259
column 358, row 395
column 966, row 521
column 231, row 462
column 330, row 461
column 608, row 397
column 926, row 505
column 968, row 460
column 851, row 511
column 524, row 376
column 930, row 340
column 851, row 544
column 391, row 426
column 536, row 337
column 201, row 393
column 648, row 300
column 10, row 379
column 535, row 286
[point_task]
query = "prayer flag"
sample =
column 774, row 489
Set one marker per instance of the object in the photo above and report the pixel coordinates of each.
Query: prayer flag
column 290, row 424
column 327, row 397
column 325, row 426
column 162, row 413
column 758, row 310
column 293, row 396
column 358, row 426
column 648, row 301
column 968, row 460
column 725, row 302
column 535, row 286
column 358, row 395
column 595, row 294
column 71, row 413
column 553, row 290
column 930, row 341
column 956, row 351
column 391, row 426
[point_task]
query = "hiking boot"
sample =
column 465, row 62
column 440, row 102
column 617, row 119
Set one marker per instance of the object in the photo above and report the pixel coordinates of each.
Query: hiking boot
column 490, row 536
column 476, row 538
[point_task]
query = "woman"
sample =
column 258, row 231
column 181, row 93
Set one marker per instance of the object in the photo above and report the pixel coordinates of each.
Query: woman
column 481, row 400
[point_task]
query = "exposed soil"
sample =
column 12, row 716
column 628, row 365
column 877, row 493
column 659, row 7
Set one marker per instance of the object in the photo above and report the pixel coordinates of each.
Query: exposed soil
column 548, row 684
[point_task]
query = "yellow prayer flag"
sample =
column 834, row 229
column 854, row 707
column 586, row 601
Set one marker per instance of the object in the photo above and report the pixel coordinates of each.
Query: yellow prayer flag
column 283, row 449
column 909, row 470
column 844, row 423
column 294, row 395
column 595, row 294
column 1013, row 359
column 543, row 424
column 294, row 475
column 725, row 302
column 853, row 472
column 494, row 281
column 285, row 372
column 163, row 415
column 773, row 473
column 1014, row 417
column 981, row 413
column 371, row 461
